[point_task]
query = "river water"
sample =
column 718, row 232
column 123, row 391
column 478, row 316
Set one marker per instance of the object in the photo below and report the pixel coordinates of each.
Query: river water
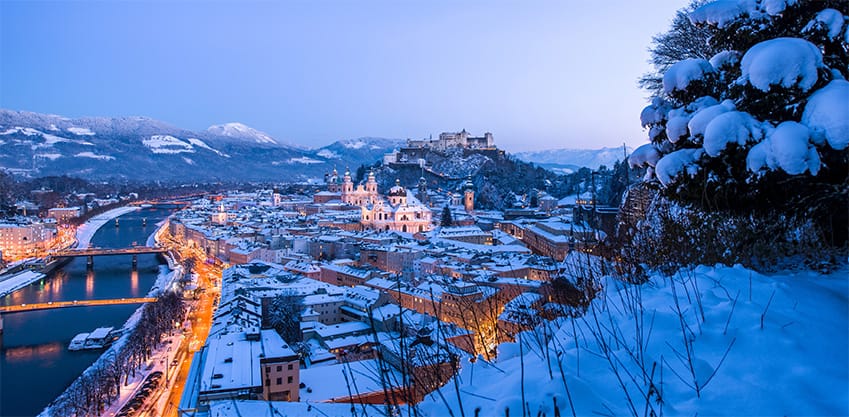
column 35, row 363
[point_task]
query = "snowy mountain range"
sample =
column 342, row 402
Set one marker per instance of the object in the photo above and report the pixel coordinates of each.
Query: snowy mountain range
column 140, row 148
column 564, row 161
column 239, row 131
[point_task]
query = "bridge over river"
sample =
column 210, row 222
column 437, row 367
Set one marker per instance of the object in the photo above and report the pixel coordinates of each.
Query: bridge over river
column 90, row 253
column 36, row 364
column 66, row 304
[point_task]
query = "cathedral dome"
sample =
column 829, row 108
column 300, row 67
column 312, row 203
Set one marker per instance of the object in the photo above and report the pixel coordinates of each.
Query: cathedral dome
column 397, row 190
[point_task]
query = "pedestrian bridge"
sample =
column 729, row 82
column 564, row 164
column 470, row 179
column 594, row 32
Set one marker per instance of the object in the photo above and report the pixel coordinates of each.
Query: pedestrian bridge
column 65, row 304
column 90, row 253
column 135, row 250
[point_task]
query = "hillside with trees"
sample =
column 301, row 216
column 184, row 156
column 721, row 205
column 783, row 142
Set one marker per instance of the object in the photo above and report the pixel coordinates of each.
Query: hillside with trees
column 499, row 177
column 748, row 131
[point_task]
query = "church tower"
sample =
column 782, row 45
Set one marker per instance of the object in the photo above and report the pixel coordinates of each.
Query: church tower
column 469, row 195
column 347, row 188
column 371, row 187
column 422, row 192
column 276, row 198
column 221, row 216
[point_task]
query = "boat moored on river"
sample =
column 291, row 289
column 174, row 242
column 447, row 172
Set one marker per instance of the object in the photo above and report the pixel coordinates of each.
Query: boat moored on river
column 98, row 339
column 78, row 342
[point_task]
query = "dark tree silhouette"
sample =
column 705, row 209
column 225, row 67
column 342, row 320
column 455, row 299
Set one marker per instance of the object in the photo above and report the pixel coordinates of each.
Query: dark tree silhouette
column 446, row 217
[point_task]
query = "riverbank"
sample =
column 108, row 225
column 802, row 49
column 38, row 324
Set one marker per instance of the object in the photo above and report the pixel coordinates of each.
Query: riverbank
column 87, row 230
column 17, row 281
column 161, row 357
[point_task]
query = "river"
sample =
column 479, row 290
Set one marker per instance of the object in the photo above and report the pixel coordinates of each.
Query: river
column 35, row 363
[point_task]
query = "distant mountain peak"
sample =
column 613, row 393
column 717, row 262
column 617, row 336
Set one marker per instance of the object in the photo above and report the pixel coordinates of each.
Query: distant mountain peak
column 573, row 159
column 241, row 131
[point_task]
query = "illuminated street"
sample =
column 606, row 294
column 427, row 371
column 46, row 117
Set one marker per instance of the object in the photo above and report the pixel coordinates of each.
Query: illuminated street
column 199, row 318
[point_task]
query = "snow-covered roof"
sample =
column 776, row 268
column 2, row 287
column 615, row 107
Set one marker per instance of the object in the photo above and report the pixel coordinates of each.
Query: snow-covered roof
column 232, row 363
column 365, row 375
column 342, row 329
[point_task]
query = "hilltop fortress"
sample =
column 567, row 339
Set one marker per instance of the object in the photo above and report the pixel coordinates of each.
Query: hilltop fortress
column 460, row 139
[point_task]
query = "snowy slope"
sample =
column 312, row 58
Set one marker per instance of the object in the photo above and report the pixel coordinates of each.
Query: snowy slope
column 240, row 131
column 785, row 336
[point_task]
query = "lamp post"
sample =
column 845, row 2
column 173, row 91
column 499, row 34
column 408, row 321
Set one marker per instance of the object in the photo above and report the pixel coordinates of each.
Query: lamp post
column 594, row 173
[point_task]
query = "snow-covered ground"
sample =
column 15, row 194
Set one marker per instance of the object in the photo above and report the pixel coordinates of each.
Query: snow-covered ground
column 753, row 344
column 18, row 281
column 87, row 230
column 93, row 156
column 160, row 226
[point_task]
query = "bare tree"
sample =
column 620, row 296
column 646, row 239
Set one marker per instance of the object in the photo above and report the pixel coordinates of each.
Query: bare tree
column 683, row 40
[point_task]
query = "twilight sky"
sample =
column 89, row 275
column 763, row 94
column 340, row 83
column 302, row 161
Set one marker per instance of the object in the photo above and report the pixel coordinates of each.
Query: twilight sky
column 538, row 75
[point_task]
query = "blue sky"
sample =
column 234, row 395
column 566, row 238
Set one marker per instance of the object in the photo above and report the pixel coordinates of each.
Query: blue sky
column 538, row 75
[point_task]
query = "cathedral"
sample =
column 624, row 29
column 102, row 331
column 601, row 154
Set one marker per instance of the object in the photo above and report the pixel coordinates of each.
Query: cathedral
column 349, row 194
column 399, row 210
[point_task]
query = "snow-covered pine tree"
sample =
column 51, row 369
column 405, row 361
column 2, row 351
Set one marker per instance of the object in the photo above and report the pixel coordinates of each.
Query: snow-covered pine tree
column 762, row 126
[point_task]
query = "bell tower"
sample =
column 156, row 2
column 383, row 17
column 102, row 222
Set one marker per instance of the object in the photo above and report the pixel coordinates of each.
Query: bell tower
column 469, row 195
column 276, row 198
column 422, row 192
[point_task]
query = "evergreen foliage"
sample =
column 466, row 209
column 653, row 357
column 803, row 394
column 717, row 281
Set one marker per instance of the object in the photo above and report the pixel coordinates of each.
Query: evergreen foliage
column 446, row 221
column 284, row 316
column 708, row 166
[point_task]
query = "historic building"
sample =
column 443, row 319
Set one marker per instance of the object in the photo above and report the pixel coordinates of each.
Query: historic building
column 469, row 195
column 357, row 195
column 460, row 139
column 399, row 211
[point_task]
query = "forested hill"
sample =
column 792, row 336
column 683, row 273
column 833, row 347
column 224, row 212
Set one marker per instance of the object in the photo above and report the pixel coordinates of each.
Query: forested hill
column 499, row 177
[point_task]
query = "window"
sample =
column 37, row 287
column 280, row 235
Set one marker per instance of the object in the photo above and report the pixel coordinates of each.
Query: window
column 279, row 368
column 290, row 366
column 280, row 381
column 289, row 380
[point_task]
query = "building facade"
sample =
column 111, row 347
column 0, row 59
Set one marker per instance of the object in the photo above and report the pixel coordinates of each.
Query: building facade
column 22, row 239
column 400, row 211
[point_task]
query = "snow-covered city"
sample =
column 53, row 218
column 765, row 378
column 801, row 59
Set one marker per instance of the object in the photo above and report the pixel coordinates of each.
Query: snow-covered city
column 654, row 224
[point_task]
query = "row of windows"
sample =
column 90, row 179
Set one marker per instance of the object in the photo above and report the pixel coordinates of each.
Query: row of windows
column 280, row 368
column 279, row 381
